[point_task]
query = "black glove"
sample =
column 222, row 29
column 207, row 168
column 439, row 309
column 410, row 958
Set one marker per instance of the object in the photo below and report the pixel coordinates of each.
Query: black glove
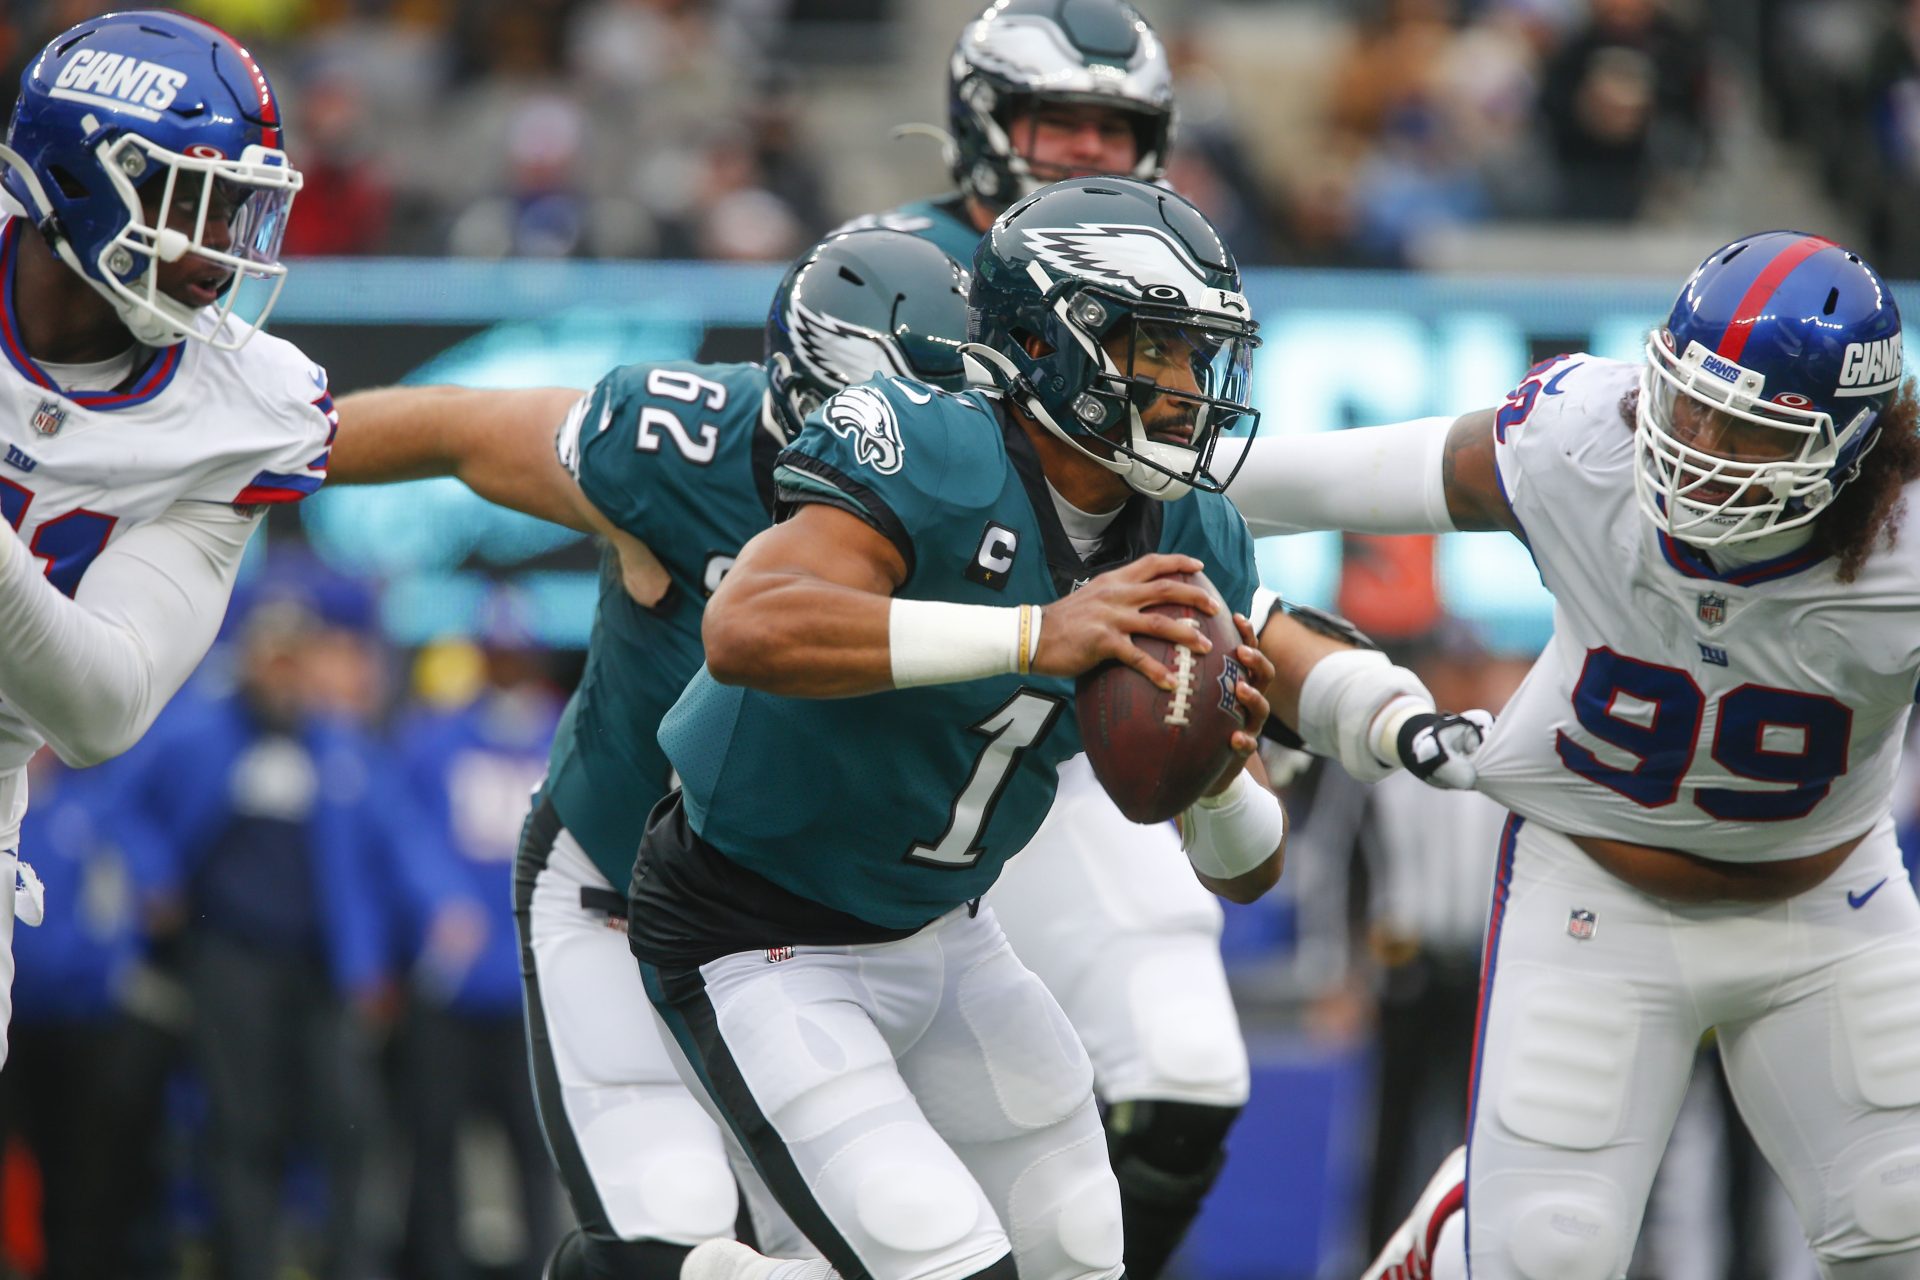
column 1438, row 747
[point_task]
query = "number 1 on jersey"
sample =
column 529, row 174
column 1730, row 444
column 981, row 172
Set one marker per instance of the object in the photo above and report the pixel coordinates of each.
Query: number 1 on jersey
column 1019, row 723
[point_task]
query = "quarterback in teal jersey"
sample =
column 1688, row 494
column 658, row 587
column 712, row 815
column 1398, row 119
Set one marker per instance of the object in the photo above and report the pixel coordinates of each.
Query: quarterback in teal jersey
column 886, row 697
column 1039, row 90
column 673, row 465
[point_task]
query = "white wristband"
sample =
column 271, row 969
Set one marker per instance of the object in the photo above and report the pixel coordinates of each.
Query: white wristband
column 1340, row 705
column 935, row 642
column 1230, row 834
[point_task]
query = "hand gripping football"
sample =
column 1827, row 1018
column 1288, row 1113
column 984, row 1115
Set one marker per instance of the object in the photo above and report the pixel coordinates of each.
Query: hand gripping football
column 1157, row 751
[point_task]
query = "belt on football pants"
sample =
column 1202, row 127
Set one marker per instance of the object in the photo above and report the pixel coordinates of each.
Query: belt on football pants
column 610, row 902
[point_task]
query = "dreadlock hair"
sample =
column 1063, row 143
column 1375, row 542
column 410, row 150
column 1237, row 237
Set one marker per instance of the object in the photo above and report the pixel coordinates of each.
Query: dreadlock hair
column 1866, row 514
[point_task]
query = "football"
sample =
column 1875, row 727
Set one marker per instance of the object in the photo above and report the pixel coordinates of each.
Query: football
column 1155, row 751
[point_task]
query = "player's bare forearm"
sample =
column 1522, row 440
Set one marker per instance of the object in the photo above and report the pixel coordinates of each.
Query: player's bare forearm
column 1293, row 650
column 498, row 443
column 1249, row 886
column 804, row 612
column 1471, row 477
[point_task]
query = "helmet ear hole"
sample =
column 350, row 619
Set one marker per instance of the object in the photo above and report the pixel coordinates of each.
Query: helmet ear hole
column 70, row 186
column 1032, row 343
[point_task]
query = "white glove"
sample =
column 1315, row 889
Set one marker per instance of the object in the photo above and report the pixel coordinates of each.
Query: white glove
column 1438, row 747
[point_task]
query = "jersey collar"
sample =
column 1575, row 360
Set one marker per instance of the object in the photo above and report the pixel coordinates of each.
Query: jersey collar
column 1694, row 564
column 1135, row 532
column 150, row 382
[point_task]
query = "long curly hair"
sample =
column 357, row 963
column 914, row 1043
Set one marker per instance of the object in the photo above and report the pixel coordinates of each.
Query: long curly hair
column 1867, row 512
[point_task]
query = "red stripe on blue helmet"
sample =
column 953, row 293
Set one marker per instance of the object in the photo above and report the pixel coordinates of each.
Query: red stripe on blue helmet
column 269, row 108
column 1754, row 301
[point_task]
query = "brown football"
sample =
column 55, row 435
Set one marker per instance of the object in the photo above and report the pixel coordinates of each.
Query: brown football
column 1156, row 751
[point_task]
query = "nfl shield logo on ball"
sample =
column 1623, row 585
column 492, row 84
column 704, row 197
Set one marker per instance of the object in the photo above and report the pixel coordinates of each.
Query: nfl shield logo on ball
column 48, row 417
column 1580, row 925
column 1712, row 608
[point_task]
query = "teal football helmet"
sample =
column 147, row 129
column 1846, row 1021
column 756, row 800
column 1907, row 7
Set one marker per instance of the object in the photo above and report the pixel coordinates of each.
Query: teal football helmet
column 1110, row 311
column 1021, row 54
column 860, row 305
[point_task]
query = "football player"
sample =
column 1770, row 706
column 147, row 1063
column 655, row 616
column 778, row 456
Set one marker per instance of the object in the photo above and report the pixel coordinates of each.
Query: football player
column 1039, row 91
column 672, row 464
column 1699, row 765
column 886, row 698
column 1102, row 910
column 146, row 426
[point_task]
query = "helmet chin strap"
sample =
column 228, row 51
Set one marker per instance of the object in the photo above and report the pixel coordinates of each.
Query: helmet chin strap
column 992, row 372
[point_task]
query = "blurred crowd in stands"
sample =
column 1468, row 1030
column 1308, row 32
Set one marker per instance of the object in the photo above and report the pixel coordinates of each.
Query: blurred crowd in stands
column 1313, row 132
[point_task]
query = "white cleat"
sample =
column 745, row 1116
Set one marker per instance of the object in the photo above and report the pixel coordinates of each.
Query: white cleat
column 1408, row 1253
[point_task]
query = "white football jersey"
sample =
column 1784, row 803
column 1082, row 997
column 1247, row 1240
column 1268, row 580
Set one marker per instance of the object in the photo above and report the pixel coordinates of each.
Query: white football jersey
column 1749, row 716
column 80, row 468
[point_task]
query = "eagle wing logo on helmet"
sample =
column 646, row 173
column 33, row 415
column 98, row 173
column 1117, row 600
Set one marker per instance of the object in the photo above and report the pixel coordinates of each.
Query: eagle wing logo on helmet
column 841, row 352
column 864, row 416
column 1124, row 255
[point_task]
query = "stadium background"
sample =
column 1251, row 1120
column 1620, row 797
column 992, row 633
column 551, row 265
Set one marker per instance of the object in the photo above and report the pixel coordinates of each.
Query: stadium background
column 1429, row 196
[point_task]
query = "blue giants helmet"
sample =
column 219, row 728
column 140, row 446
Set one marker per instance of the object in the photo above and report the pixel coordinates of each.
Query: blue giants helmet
column 1110, row 312
column 138, row 138
column 1762, row 393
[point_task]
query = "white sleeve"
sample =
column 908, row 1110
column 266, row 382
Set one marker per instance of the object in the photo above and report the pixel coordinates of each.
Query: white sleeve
column 91, row 673
column 1362, row 480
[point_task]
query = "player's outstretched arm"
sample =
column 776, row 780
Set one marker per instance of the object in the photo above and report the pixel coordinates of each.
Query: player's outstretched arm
column 1431, row 475
column 1349, row 703
column 91, row 673
column 498, row 443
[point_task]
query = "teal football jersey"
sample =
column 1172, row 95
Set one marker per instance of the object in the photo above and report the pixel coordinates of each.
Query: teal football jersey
column 676, row 455
column 943, row 221
column 897, row 806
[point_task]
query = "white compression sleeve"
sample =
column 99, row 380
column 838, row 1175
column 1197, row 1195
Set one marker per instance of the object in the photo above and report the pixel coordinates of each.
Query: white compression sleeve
column 1344, row 697
column 91, row 673
column 1363, row 480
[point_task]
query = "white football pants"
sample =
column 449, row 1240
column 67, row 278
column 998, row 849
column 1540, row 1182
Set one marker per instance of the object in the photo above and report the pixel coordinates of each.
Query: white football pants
column 1594, row 999
column 1111, row 918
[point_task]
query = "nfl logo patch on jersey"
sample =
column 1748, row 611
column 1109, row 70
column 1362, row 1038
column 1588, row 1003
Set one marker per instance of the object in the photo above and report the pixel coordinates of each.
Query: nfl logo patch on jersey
column 1712, row 608
column 49, row 416
column 776, row 954
column 1580, row 925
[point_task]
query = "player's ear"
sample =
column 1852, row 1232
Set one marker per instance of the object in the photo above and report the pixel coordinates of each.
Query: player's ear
column 1035, row 345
